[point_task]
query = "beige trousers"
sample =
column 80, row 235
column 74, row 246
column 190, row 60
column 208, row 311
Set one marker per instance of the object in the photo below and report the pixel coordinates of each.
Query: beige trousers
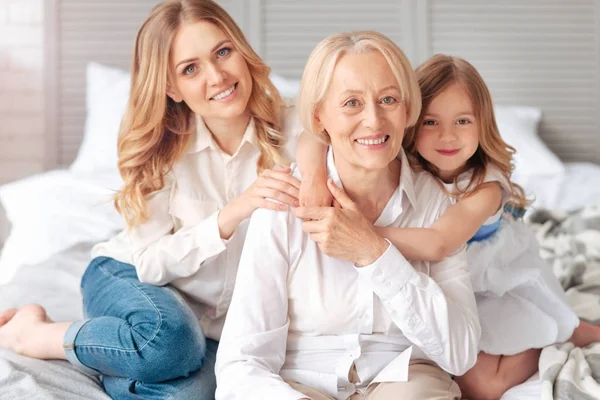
column 425, row 381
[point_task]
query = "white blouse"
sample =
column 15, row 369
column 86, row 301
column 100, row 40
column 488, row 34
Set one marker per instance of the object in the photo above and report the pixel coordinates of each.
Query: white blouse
column 300, row 315
column 180, row 244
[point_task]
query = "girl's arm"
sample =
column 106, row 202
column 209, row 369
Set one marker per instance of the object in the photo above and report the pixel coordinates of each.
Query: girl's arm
column 311, row 157
column 452, row 230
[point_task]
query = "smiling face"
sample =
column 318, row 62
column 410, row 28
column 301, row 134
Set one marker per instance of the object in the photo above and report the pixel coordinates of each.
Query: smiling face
column 362, row 111
column 449, row 135
column 209, row 74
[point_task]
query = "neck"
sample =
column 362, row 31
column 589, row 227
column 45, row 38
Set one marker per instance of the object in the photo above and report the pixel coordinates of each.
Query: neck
column 450, row 176
column 228, row 132
column 369, row 189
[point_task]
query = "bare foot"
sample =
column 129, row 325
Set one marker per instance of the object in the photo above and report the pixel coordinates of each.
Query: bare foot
column 27, row 330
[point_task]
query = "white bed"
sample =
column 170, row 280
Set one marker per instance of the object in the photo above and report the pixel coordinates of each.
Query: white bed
column 75, row 211
column 55, row 217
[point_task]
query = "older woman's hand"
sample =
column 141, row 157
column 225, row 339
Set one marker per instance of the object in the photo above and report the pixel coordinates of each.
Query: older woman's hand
column 342, row 231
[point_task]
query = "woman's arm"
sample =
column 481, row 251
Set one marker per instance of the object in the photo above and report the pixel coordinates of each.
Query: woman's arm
column 161, row 255
column 451, row 231
column 311, row 157
column 436, row 312
column 253, row 344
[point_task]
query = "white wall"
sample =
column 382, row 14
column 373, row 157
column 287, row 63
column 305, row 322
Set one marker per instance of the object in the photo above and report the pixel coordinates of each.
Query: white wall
column 21, row 88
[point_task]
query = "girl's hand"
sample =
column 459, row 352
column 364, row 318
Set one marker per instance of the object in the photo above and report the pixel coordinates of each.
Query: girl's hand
column 314, row 191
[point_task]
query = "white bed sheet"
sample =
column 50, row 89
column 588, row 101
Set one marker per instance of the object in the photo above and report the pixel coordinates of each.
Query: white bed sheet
column 578, row 187
column 529, row 390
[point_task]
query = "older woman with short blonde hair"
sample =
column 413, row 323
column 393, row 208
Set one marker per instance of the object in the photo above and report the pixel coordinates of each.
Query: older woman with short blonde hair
column 325, row 308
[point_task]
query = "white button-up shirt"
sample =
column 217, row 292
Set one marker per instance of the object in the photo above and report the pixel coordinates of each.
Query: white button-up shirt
column 180, row 244
column 302, row 316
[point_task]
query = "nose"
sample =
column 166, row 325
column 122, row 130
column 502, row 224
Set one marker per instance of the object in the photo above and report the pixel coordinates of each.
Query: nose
column 216, row 75
column 373, row 118
column 448, row 134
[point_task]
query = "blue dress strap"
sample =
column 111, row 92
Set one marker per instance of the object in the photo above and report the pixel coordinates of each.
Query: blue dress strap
column 485, row 231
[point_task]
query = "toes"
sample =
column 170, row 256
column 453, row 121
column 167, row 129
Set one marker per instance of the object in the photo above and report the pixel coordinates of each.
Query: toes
column 7, row 315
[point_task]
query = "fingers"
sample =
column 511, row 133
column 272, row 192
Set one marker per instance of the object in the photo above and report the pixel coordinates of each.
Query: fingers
column 280, row 186
column 275, row 194
column 340, row 195
column 271, row 205
column 318, row 237
column 281, row 176
column 314, row 213
column 281, row 168
column 313, row 227
column 336, row 204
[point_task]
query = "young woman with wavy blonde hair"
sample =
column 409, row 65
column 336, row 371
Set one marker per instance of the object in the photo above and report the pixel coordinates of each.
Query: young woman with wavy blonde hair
column 199, row 150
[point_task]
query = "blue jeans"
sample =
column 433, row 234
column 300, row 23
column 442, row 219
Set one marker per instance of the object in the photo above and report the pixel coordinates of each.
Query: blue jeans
column 144, row 340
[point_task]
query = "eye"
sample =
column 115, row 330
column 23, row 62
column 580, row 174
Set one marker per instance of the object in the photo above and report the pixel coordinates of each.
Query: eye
column 463, row 121
column 190, row 69
column 389, row 100
column 429, row 122
column 351, row 103
column 223, row 52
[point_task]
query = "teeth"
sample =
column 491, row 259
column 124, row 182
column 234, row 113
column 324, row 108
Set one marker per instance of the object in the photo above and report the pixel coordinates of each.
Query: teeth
column 371, row 142
column 224, row 94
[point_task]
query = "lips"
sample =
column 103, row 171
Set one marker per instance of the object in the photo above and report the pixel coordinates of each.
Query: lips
column 448, row 152
column 225, row 93
column 373, row 141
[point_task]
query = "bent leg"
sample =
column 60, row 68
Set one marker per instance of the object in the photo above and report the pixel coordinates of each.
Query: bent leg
column 200, row 385
column 139, row 331
column 493, row 375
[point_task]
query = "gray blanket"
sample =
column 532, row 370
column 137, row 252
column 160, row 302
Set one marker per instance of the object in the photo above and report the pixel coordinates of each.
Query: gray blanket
column 570, row 242
column 55, row 285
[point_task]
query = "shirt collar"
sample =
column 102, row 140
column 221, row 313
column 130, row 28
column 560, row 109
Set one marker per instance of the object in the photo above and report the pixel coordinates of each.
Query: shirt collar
column 394, row 207
column 203, row 139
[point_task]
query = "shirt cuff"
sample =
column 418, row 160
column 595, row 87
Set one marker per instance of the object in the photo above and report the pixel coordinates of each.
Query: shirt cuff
column 389, row 273
column 209, row 237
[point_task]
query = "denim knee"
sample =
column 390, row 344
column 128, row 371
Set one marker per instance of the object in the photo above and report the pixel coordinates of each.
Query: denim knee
column 177, row 349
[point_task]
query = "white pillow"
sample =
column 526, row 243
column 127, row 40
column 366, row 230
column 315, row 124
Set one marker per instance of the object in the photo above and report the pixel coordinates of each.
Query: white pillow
column 518, row 127
column 53, row 211
column 107, row 93
column 287, row 87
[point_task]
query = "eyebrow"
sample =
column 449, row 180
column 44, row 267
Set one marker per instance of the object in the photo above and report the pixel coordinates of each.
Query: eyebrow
column 188, row 60
column 460, row 113
column 352, row 91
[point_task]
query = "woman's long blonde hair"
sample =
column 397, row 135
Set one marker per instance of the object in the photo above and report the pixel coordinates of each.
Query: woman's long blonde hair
column 156, row 130
column 434, row 76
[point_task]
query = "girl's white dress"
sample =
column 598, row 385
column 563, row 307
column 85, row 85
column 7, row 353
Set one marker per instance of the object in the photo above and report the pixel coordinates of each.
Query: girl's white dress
column 521, row 303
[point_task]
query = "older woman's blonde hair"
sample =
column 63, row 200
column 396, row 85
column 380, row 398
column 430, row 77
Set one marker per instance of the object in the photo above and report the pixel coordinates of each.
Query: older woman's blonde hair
column 318, row 74
column 155, row 130
column 434, row 76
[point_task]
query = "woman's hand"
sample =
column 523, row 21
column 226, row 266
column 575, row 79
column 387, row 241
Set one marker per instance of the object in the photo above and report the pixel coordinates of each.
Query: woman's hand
column 314, row 191
column 276, row 184
column 342, row 232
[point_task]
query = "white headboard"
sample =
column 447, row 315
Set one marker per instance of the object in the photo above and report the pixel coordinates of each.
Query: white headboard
column 531, row 52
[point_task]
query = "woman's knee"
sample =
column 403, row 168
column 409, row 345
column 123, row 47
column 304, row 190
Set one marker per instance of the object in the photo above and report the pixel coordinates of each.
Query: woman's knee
column 172, row 345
